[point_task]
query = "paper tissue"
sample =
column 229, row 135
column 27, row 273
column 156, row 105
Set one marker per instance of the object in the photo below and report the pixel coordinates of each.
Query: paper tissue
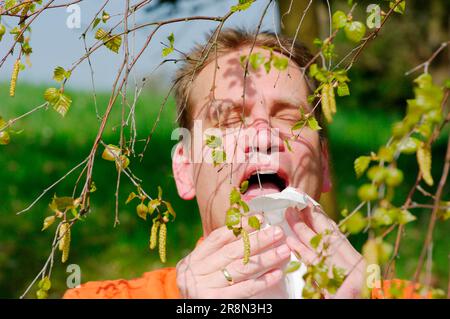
column 273, row 207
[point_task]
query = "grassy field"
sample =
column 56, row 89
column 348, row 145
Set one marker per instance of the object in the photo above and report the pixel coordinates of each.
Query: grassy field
column 49, row 146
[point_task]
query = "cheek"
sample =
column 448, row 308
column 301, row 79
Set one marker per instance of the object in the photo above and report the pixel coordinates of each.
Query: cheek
column 306, row 157
column 212, row 191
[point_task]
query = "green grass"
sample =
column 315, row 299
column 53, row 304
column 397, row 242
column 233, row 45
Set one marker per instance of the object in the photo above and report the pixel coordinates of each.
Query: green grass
column 50, row 145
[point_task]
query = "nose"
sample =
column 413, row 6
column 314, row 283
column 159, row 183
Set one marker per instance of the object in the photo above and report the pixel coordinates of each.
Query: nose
column 266, row 140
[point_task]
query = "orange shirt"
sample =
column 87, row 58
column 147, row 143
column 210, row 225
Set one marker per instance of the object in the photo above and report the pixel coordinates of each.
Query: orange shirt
column 157, row 284
column 161, row 284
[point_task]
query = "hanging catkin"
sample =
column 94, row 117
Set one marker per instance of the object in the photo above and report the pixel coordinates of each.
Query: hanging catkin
column 162, row 242
column 64, row 242
column 15, row 74
column 246, row 240
column 154, row 234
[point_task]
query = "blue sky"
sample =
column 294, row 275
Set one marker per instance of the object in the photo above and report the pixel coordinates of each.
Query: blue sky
column 55, row 44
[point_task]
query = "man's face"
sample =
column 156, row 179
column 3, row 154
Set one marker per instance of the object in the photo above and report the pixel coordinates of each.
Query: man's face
column 255, row 149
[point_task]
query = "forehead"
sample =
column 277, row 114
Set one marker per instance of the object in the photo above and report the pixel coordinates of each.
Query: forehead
column 227, row 75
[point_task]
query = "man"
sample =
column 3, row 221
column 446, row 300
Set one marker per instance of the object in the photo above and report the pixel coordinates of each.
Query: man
column 215, row 94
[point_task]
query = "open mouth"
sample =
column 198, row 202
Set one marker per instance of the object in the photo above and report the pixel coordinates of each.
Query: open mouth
column 264, row 182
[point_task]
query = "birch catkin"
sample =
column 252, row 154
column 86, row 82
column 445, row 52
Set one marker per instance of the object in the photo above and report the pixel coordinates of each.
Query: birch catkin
column 162, row 242
column 154, row 234
column 15, row 74
column 246, row 240
column 64, row 242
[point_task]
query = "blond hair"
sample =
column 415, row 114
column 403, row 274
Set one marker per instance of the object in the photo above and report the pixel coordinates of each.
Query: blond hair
column 227, row 41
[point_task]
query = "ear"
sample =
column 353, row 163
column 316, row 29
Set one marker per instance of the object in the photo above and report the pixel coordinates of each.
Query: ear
column 326, row 184
column 183, row 172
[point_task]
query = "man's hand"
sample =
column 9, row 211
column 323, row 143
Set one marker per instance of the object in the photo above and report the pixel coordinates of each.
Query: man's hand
column 200, row 275
column 311, row 221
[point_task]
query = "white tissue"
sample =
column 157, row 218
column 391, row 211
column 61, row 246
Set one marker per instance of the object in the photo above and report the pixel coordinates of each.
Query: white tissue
column 273, row 207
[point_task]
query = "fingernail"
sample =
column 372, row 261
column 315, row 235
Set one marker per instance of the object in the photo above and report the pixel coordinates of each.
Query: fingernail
column 283, row 250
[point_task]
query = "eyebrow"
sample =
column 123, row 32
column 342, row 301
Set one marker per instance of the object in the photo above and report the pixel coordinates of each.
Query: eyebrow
column 225, row 105
column 290, row 104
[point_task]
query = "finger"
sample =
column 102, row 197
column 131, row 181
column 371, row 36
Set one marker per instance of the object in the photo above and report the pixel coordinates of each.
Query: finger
column 300, row 228
column 257, row 265
column 252, row 287
column 218, row 238
column 259, row 241
column 306, row 254
column 316, row 219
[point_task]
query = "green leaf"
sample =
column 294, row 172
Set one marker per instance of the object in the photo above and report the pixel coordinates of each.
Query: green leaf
column 130, row 197
column 213, row 141
column 446, row 82
column 377, row 174
column 142, row 211
column 424, row 161
column 242, row 6
column 2, row 31
column 110, row 153
column 243, row 60
column 236, row 231
column 253, row 222
column 338, row 274
column 339, row 19
column 405, row 217
column 424, row 80
column 280, row 63
column 235, row 196
column 160, row 193
column 244, row 206
column 112, row 42
column 361, row 164
column 167, row 51
column 45, row 284
column 59, row 74
column 60, row 204
column 292, row 266
column 233, row 217
column 384, row 251
column 96, row 22
column 105, row 16
column 354, row 224
column 444, row 213
column 394, row 177
column 355, row 31
column 316, row 240
column 386, row 154
column 244, row 186
column 100, row 34
column 367, row 192
column 51, row 95
column 48, row 221
column 381, row 217
column 60, row 101
column 408, row 145
column 218, row 157
column 313, row 70
column 298, row 125
column 41, row 294
column 152, row 205
column 342, row 89
column 4, row 138
column 400, row 8
column 313, row 124
column 267, row 66
column 288, row 145
column 256, row 59
column 170, row 209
